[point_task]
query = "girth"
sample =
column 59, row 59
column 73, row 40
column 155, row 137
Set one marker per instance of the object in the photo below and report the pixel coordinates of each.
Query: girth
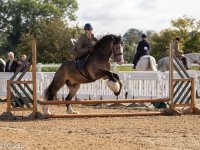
column 81, row 63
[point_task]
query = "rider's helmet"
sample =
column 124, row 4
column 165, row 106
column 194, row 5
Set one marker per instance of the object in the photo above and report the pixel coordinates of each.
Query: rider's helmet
column 144, row 36
column 88, row 26
column 177, row 39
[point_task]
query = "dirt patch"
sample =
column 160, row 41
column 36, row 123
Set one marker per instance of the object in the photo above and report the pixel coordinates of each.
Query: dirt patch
column 154, row 132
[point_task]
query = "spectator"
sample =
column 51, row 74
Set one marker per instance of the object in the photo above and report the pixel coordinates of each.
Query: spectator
column 11, row 64
column 23, row 59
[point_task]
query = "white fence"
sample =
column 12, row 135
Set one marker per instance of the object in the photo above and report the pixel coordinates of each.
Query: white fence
column 135, row 85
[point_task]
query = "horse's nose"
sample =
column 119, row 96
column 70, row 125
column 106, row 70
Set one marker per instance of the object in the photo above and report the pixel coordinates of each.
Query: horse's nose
column 121, row 62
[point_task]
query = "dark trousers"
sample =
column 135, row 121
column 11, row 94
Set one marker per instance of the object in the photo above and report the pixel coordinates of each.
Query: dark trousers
column 184, row 62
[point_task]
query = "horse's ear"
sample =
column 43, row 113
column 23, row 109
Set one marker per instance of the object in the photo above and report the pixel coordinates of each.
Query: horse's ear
column 120, row 36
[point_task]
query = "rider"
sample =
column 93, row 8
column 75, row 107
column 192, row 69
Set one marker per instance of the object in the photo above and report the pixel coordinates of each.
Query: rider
column 142, row 49
column 178, row 52
column 85, row 42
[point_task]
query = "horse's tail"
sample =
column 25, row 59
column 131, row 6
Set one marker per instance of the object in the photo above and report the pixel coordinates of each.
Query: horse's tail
column 48, row 95
column 152, row 64
column 160, row 64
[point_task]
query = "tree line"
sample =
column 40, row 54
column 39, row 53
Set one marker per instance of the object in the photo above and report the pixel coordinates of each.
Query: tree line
column 187, row 28
column 48, row 21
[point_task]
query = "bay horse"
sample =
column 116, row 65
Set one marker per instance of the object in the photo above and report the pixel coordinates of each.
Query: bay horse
column 97, row 65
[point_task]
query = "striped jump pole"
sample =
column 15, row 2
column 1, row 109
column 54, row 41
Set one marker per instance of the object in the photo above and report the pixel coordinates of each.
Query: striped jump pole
column 181, row 88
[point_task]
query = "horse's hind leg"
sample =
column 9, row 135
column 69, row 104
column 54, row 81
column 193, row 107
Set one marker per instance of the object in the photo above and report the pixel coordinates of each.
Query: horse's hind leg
column 51, row 92
column 72, row 92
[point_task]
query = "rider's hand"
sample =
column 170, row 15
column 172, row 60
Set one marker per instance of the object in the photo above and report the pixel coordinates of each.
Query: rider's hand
column 90, row 48
column 93, row 43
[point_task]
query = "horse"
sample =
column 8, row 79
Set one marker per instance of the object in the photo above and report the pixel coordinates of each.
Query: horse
column 2, row 65
column 163, row 64
column 97, row 66
column 146, row 63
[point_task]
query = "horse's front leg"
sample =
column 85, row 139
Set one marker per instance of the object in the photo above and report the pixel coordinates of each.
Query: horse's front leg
column 114, row 78
column 72, row 92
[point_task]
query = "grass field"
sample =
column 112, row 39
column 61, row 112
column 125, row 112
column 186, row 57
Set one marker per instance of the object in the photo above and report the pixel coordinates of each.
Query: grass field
column 119, row 68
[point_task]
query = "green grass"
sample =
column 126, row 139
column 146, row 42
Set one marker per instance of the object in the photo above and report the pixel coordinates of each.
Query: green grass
column 124, row 68
column 195, row 68
column 49, row 69
column 119, row 68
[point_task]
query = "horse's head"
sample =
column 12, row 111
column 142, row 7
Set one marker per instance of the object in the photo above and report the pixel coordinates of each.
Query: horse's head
column 193, row 58
column 110, row 45
column 118, row 50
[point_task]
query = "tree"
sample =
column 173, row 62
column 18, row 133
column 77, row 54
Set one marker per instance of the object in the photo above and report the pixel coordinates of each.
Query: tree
column 131, row 39
column 160, row 43
column 186, row 28
column 53, row 41
column 22, row 16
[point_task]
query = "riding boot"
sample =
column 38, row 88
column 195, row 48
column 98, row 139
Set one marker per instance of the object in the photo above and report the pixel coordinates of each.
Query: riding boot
column 185, row 63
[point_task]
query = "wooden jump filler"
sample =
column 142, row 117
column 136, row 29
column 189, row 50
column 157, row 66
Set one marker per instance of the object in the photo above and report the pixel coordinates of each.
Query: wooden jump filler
column 21, row 95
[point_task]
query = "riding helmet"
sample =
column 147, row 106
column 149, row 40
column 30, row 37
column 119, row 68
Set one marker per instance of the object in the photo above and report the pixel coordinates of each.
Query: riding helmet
column 88, row 26
column 144, row 36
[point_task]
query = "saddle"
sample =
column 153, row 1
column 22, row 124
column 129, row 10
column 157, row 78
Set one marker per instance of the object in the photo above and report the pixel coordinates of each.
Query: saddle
column 81, row 63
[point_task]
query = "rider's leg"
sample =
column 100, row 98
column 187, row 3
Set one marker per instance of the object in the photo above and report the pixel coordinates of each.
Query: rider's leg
column 185, row 62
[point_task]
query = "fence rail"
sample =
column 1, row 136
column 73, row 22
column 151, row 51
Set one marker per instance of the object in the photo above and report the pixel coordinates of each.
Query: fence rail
column 139, row 84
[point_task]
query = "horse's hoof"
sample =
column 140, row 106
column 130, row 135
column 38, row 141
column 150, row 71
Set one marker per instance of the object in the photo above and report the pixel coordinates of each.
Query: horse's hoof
column 73, row 112
column 116, row 94
column 46, row 111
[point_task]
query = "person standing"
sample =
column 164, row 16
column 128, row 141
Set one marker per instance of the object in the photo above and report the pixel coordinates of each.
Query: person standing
column 85, row 42
column 142, row 49
column 23, row 59
column 179, row 53
column 11, row 64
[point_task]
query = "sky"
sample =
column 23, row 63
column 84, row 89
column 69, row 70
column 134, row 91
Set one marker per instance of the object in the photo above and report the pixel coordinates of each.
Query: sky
column 117, row 16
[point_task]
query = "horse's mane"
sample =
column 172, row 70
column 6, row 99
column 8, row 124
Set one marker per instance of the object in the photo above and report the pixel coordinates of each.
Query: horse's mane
column 104, row 39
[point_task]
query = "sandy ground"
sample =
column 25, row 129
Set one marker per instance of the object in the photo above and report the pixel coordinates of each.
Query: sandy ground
column 131, row 133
